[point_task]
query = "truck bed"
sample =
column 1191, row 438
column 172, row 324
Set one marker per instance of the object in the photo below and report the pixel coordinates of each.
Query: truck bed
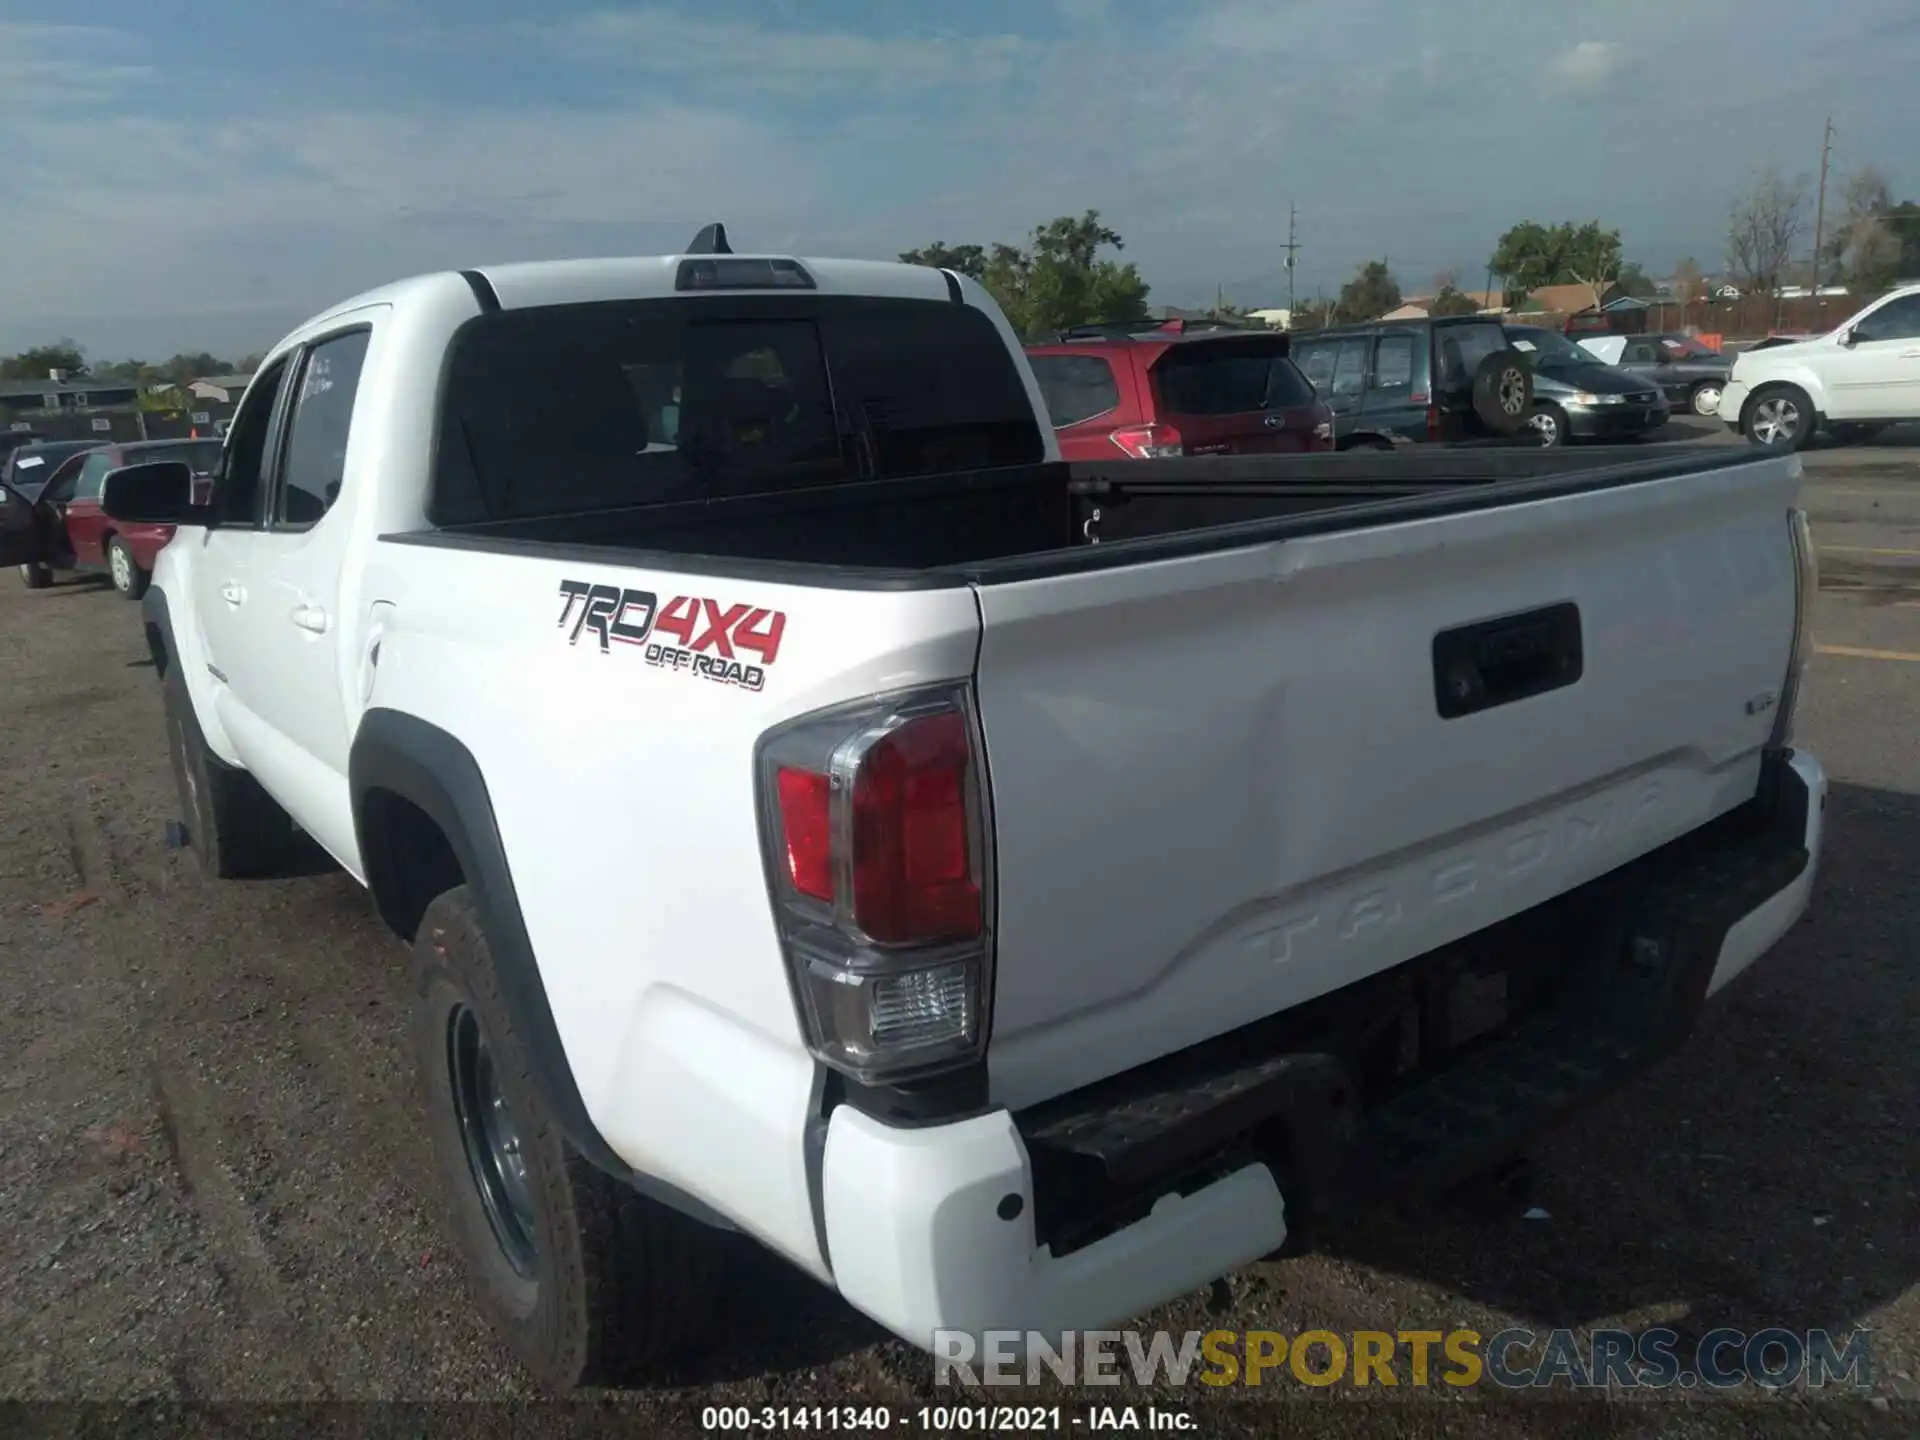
column 998, row 526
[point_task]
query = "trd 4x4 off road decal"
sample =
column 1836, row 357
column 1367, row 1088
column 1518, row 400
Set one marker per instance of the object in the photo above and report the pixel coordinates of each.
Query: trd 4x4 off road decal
column 711, row 637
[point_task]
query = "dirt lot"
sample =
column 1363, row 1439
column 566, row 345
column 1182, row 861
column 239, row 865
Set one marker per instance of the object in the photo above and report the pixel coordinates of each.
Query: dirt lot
column 214, row 1183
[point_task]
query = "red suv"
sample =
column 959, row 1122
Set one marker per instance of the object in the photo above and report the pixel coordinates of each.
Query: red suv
column 1147, row 392
column 85, row 538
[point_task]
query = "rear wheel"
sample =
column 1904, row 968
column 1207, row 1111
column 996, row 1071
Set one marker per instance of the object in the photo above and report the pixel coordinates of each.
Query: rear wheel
column 234, row 827
column 1778, row 417
column 128, row 578
column 1705, row 399
column 37, row 577
column 586, row 1279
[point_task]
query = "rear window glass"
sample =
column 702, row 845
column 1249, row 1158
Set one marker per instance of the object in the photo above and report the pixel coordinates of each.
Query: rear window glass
column 1201, row 380
column 1463, row 347
column 598, row 406
column 1076, row 387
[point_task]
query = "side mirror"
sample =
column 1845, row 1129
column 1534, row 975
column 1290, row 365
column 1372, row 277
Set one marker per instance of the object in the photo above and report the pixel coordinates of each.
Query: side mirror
column 159, row 492
column 1849, row 337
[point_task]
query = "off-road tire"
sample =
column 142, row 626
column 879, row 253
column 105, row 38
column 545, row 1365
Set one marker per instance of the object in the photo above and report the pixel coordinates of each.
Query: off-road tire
column 620, row 1283
column 235, row 829
column 1503, row 392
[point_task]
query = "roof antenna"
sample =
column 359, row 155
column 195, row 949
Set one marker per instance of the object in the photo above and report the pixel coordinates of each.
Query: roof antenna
column 711, row 241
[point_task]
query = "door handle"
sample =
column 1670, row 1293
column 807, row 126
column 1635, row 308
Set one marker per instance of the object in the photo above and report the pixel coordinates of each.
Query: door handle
column 310, row 617
column 1910, row 354
column 233, row 594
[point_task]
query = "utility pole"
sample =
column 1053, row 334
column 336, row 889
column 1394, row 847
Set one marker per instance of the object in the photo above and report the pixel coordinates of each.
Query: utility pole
column 1293, row 245
column 1820, row 210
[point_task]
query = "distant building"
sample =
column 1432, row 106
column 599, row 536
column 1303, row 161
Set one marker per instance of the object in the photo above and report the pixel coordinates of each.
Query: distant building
column 72, row 408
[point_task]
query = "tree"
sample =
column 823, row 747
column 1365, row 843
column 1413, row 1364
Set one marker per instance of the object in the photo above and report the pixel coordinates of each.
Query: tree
column 1762, row 228
column 1634, row 280
column 968, row 260
column 1875, row 241
column 35, row 363
column 1058, row 280
column 1689, row 282
column 1451, row 301
column 1532, row 255
column 1371, row 293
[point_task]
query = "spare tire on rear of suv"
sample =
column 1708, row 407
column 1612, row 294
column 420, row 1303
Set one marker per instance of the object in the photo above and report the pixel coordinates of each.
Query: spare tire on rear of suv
column 1503, row 391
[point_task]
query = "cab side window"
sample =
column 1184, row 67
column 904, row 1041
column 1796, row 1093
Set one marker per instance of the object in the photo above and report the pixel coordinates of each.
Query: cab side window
column 315, row 461
column 238, row 491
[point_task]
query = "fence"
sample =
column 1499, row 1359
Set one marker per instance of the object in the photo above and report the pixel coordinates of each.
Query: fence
column 123, row 424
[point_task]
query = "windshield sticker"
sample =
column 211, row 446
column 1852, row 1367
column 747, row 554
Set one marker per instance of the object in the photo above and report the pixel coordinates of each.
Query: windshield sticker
column 690, row 634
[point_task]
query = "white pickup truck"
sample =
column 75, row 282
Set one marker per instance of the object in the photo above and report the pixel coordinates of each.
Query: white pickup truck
column 1017, row 893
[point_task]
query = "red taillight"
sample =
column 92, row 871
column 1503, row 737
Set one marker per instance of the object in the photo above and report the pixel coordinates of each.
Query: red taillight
column 913, row 879
column 806, row 823
column 877, row 836
column 1148, row 442
column 1433, row 422
column 912, row 860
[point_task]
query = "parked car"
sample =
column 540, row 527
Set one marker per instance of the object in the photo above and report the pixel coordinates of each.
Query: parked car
column 720, row 919
column 1851, row 383
column 1687, row 372
column 28, row 468
column 1150, row 391
column 85, row 539
column 1451, row 378
column 11, row 440
column 1575, row 397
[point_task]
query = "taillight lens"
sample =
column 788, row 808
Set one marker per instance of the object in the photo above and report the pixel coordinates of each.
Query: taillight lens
column 804, row 820
column 913, row 879
column 1149, row 442
column 875, row 828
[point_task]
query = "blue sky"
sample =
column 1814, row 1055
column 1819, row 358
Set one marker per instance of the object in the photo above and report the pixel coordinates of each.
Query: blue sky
column 180, row 175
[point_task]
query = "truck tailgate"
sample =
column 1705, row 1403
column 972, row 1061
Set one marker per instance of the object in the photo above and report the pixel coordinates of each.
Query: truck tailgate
column 1223, row 785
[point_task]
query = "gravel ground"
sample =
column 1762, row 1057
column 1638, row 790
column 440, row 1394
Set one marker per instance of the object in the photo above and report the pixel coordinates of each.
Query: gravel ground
column 215, row 1183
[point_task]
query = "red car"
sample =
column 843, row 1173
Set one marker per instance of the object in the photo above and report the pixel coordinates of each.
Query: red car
column 1147, row 392
column 86, row 540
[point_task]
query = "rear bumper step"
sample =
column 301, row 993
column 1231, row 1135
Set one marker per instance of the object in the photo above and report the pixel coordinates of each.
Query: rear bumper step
column 1377, row 1089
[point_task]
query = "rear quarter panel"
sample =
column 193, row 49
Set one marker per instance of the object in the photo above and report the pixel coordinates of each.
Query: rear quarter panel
column 625, row 800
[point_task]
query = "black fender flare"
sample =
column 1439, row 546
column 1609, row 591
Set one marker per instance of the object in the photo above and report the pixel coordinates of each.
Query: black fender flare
column 157, row 621
column 433, row 770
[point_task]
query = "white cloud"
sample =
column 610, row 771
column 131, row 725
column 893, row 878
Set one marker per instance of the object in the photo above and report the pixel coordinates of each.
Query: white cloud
column 1589, row 65
column 1190, row 128
column 789, row 62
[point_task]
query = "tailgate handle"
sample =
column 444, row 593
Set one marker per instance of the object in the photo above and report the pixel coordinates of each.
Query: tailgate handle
column 1496, row 662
